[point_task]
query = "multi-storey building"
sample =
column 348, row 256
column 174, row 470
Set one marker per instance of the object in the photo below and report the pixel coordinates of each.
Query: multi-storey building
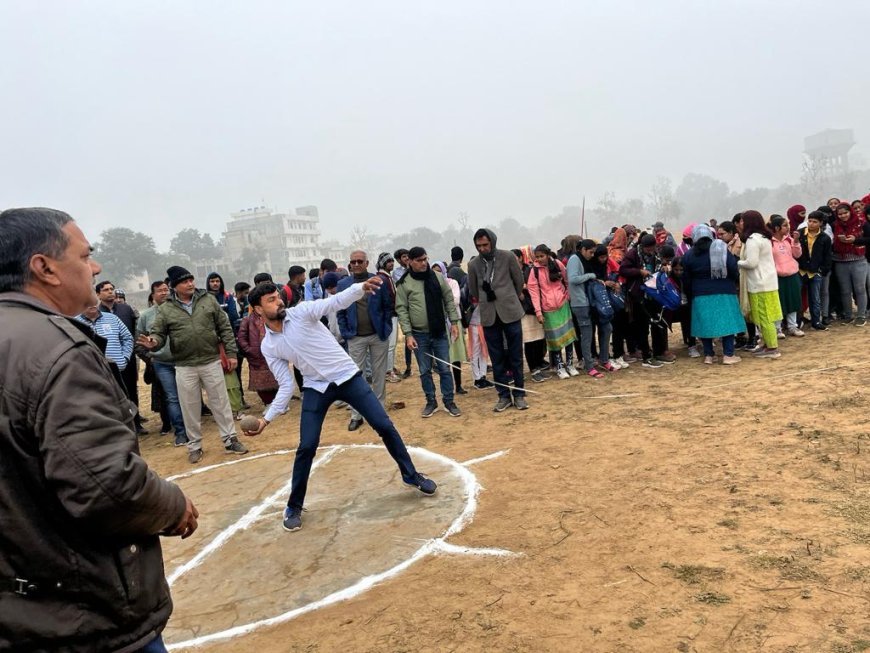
column 265, row 239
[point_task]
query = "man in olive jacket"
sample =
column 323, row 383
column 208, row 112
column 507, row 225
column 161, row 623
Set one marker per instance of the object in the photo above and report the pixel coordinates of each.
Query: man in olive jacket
column 197, row 327
column 425, row 306
column 80, row 562
column 495, row 284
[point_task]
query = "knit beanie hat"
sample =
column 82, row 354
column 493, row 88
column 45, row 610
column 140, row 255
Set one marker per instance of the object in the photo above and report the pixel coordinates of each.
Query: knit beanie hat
column 383, row 259
column 176, row 274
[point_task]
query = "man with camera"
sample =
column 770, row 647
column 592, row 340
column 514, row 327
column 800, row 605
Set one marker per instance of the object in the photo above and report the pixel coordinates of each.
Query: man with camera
column 495, row 284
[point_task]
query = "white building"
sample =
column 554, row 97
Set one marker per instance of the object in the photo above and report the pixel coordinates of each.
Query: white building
column 270, row 241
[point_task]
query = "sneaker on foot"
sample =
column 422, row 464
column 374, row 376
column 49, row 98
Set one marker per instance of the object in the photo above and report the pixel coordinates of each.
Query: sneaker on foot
column 181, row 440
column 355, row 424
column 425, row 485
column 453, row 409
column 292, row 519
column 767, row 352
column 860, row 321
column 730, row 360
column 538, row 376
column 194, row 456
column 407, row 373
column 667, row 357
column 502, row 404
column 797, row 333
column 562, row 373
column 628, row 358
column 708, row 360
column 780, row 334
column 429, row 409
column 234, row 446
column 482, row 384
column 461, row 391
column 651, row 363
column 572, row 370
column 694, row 353
column 520, row 402
column 820, row 327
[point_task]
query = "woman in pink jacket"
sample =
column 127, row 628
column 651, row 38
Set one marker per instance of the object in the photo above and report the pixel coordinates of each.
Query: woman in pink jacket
column 786, row 252
column 548, row 290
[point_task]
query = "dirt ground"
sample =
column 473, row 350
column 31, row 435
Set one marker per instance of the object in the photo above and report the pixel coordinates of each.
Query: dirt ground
column 720, row 509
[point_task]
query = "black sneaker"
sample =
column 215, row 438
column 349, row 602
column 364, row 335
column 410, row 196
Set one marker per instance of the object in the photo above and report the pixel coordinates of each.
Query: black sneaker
column 234, row 446
column 820, row 327
column 194, row 456
column 181, row 440
column 503, row 404
column 292, row 519
column 652, row 363
column 453, row 409
column 425, row 485
column 860, row 321
column 407, row 374
column 482, row 384
column 520, row 402
column 461, row 391
column 430, row 408
column 354, row 424
column 538, row 376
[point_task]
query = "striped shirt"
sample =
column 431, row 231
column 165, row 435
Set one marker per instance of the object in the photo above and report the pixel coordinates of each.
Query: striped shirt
column 119, row 342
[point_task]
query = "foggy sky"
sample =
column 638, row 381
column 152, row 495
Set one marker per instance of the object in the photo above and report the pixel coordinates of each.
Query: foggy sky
column 163, row 115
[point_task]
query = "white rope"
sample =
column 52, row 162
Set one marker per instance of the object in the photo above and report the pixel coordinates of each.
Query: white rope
column 503, row 385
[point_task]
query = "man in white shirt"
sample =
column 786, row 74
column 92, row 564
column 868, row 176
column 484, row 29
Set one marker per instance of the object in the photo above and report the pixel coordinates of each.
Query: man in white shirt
column 296, row 335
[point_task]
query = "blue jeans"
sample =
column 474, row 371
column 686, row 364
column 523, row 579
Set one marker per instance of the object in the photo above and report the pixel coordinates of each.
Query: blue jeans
column 814, row 297
column 359, row 395
column 727, row 345
column 166, row 375
column 154, row 646
column 440, row 348
column 506, row 358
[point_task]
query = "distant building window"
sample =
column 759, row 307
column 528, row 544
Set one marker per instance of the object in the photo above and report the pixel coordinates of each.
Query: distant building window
column 141, row 286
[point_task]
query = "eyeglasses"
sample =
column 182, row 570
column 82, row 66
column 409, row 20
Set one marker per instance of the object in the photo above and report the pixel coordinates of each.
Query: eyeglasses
column 357, row 261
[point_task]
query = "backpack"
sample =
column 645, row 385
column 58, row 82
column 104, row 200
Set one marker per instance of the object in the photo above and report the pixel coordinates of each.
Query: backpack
column 663, row 291
column 599, row 300
column 617, row 299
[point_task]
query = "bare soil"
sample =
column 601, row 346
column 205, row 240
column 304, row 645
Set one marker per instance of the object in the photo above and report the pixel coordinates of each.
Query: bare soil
column 720, row 509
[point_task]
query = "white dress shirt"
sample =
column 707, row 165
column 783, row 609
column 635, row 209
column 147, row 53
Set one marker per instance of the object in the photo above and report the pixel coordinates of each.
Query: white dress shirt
column 310, row 346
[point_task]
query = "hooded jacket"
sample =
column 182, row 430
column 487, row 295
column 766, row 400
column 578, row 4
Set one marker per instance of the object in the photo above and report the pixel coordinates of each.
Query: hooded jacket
column 505, row 278
column 226, row 301
column 81, row 509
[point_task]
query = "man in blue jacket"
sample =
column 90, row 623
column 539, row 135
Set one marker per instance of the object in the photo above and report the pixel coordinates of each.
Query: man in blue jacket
column 366, row 326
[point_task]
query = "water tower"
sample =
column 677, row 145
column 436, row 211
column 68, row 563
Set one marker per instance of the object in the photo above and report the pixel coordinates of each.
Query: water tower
column 828, row 151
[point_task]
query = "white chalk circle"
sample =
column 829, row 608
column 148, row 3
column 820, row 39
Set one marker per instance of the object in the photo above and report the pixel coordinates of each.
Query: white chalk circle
column 241, row 571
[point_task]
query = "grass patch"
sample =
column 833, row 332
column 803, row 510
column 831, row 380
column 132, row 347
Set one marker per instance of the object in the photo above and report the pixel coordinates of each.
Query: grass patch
column 729, row 523
column 694, row 574
column 713, row 598
column 787, row 567
column 637, row 623
column 856, row 511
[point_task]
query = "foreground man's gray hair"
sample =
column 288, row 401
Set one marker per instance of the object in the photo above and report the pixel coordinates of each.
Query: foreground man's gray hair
column 25, row 233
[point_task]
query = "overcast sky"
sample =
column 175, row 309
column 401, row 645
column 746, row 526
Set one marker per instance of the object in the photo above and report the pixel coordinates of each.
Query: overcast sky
column 163, row 115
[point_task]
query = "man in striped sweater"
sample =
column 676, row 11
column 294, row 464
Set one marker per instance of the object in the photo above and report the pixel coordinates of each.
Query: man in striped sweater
column 119, row 341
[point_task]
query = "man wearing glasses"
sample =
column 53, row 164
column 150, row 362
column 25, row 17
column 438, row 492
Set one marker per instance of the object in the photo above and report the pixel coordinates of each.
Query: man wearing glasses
column 365, row 326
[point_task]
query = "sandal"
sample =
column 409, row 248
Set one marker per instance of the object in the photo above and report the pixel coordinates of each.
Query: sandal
column 595, row 374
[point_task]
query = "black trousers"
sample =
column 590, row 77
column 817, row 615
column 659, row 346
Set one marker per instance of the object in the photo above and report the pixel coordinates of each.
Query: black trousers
column 130, row 376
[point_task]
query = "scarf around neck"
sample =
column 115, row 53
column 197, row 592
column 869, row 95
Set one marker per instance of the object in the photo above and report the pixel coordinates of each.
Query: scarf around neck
column 434, row 301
